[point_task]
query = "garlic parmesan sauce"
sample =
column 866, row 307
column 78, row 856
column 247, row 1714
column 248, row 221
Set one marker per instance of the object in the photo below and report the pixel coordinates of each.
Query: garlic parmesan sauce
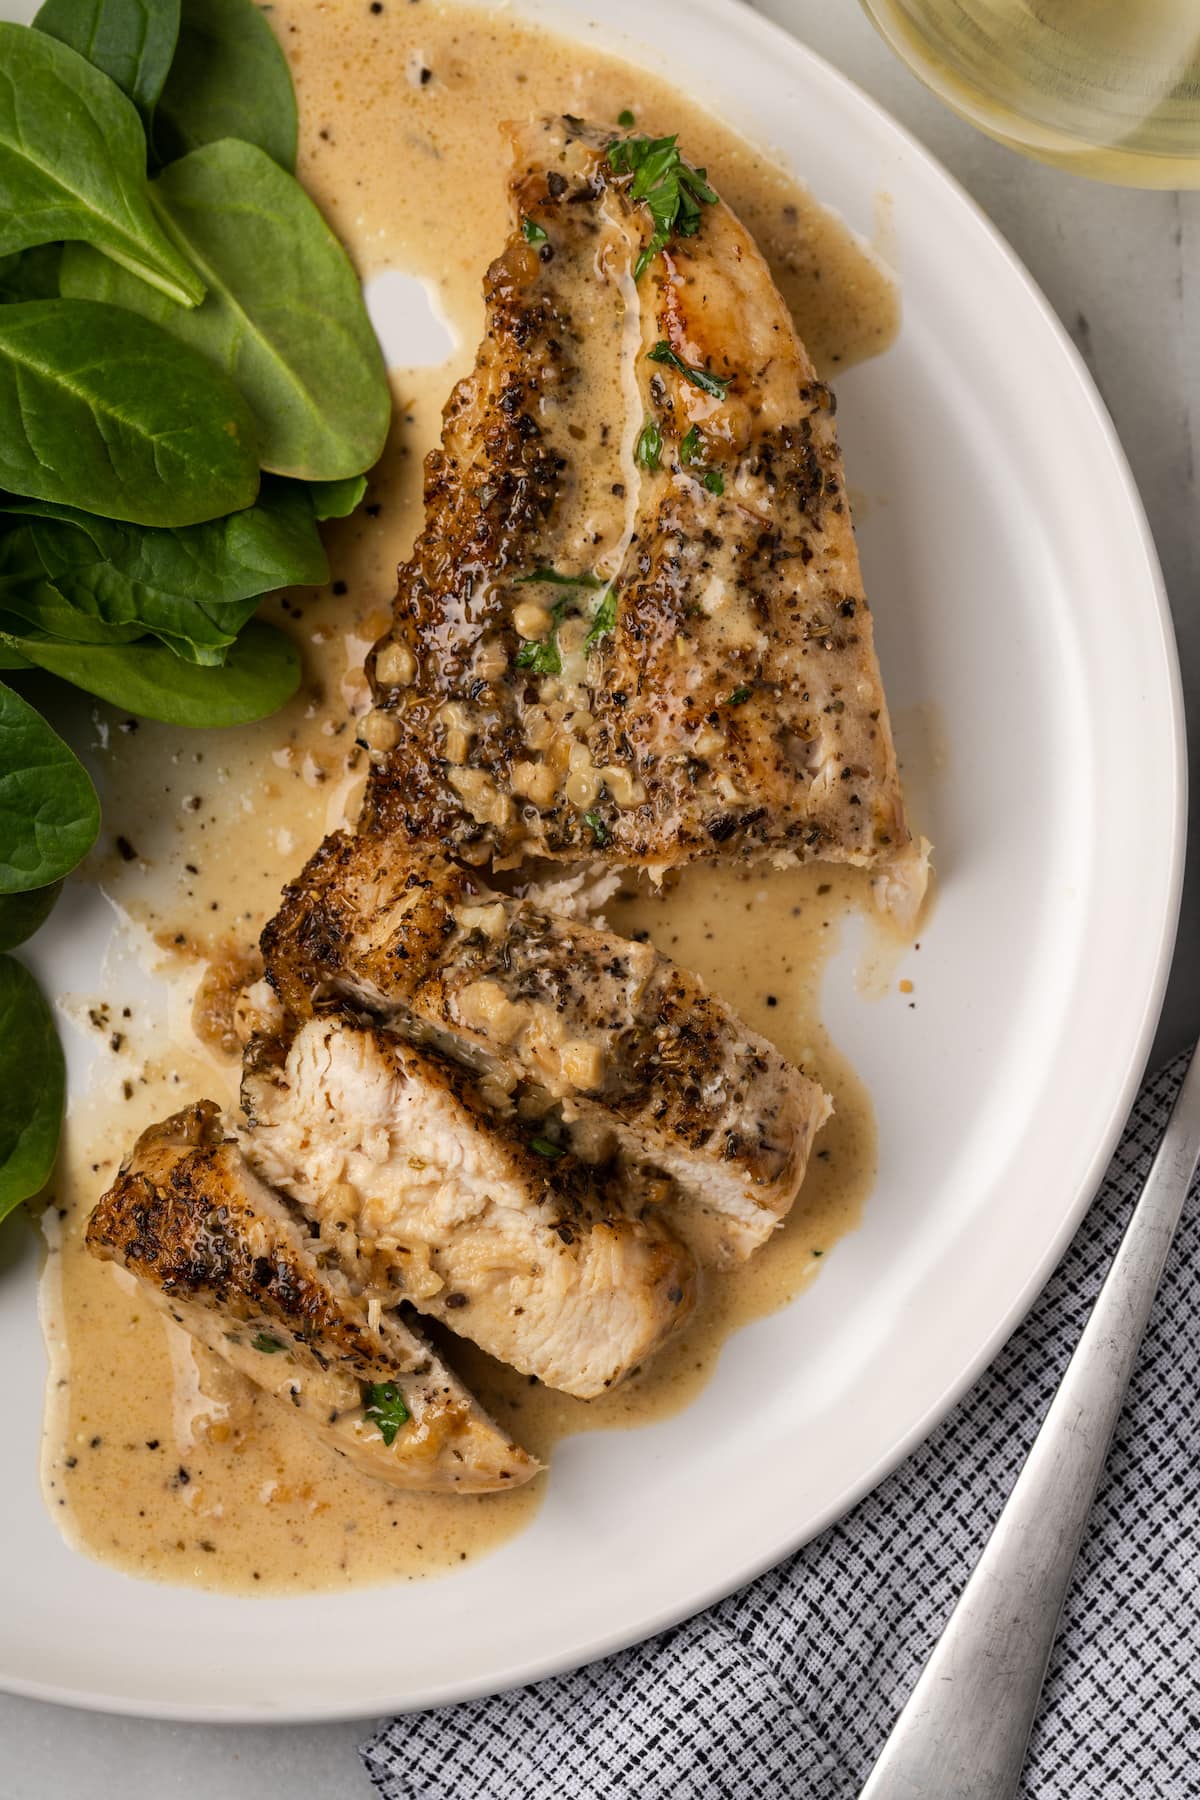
column 157, row 1458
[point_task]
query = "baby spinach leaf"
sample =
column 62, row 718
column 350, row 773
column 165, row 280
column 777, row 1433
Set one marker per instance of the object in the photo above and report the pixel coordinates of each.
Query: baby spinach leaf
column 284, row 315
column 22, row 914
column 12, row 659
column 32, row 1086
column 103, row 410
column 49, row 813
column 261, row 672
column 336, row 499
column 73, row 163
column 30, row 274
column 230, row 79
column 26, row 592
column 131, row 41
column 94, row 580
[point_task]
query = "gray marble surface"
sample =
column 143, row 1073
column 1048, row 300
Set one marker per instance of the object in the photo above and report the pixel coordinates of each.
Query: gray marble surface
column 1122, row 269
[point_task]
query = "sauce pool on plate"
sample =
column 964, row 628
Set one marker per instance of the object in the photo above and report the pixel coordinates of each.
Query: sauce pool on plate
column 157, row 1458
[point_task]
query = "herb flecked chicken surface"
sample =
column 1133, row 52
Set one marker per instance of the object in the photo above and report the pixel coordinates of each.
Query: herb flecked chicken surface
column 222, row 1255
column 632, row 634
column 634, row 624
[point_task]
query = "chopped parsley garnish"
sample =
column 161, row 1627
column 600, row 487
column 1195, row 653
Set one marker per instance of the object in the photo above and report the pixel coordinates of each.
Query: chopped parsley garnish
column 625, row 118
column 603, row 619
column 701, row 378
column 546, row 1147
column 262, row 1340
column 532, row 232
column 597, row 827
column 584, row 579
column 542, row 655
column 672, row 190
column 691, row 450
column 385, row 1407
column 648, row 449
column 738, row 695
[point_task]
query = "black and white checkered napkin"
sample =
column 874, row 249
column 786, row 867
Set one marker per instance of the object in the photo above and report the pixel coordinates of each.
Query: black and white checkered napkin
column 786, row 1690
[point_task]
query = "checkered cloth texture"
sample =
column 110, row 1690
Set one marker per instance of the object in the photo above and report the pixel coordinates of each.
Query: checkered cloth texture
column 786, row 1690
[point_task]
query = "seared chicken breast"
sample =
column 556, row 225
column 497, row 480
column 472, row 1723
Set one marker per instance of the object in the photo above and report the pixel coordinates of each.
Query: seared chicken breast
column 627, row 1052
column 634, row 626
column 632, row 633
column 221, row 1253
column 465, row 1209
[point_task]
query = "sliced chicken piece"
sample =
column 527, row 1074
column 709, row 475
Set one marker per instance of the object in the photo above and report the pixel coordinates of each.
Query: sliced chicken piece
column 634, row 625
column 634, row 1051
column 224, row 1256
column 465, row 1209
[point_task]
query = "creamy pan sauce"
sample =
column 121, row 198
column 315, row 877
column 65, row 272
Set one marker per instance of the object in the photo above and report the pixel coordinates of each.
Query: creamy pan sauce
column 156, row 1458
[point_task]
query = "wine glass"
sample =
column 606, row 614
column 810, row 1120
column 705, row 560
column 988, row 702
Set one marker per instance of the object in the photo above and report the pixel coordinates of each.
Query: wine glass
column 1109, row 88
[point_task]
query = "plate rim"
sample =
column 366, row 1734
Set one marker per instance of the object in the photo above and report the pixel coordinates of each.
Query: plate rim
column 601, row 1646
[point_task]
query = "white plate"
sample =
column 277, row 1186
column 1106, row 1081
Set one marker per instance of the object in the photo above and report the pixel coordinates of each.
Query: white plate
column 1015, row 585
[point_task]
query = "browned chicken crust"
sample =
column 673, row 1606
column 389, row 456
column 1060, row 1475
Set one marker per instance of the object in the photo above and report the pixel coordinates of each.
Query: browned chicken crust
column 636, row 1053
column 221, row 1254
column 464, row 1208
column 632, row 632
column 735, row 709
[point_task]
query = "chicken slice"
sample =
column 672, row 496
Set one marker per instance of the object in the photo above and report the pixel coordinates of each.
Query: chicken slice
column 634, row 625
column 633, row 1051
column 224, row 1256
column 466, row 1211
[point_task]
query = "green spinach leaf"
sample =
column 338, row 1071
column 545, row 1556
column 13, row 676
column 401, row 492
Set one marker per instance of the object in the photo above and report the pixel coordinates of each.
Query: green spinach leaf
column 26, row 592
column 22, row 914
column 73, row 163
column 30, row 274
column 230, row 79
column 103, row 410
column 96, row 581
column 260, row 673
column 336, row 499
column 49, row 813
column 131, row 41
column 32, row 1086
column 284, row 314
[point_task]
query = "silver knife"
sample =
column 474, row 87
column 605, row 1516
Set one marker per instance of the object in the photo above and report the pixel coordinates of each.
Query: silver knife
column 965, row 1729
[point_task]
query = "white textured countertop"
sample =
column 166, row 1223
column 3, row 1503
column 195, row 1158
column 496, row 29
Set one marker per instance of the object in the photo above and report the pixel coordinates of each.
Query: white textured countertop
column 1122, row 269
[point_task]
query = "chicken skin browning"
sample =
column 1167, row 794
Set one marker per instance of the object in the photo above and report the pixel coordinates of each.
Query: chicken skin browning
column 634, row 625
column 464, row 1209
column 633, row 1052
column 218, row 1251
column 632, row 633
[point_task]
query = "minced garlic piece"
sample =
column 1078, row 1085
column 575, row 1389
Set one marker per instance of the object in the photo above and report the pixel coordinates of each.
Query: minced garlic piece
column 583, row 1064
column 486, row 1005
column 531, row 620
column 535, row 781
column 481, row 797
column 395, row 665
column 380, row 731
column 489, row 918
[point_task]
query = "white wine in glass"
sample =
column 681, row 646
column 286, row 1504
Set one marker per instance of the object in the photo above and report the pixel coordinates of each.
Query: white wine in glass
column 1109, row 88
